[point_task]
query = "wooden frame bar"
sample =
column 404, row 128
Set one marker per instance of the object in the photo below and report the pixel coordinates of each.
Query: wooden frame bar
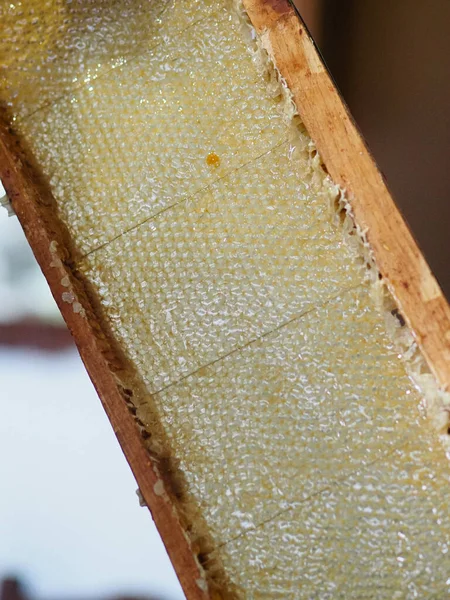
column 35, row 209
column 350, row 165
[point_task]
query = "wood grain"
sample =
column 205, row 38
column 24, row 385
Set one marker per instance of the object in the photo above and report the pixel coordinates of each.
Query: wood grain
column 35, row 209
column 351, row 166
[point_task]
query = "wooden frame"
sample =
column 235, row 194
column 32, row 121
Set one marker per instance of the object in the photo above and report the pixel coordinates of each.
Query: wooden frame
column 350, row 165
column 36, row 211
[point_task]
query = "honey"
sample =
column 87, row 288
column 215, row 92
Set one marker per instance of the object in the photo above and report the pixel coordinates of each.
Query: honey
column 286, row 409
column 212, row 160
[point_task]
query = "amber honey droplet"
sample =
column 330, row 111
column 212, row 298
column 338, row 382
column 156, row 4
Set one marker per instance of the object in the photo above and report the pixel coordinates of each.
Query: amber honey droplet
column 212, row 160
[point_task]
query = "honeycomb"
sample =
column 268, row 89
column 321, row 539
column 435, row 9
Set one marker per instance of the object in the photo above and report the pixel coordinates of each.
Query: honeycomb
column 203, row 224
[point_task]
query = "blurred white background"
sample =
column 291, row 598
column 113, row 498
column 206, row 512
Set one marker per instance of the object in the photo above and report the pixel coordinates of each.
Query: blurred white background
column 70, row 521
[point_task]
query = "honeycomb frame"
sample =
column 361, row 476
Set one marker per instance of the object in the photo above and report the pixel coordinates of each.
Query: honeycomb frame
column 399, row 263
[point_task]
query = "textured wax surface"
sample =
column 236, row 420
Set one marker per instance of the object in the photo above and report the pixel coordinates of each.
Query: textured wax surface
column 50, row 47
column 236, row 270
column 204, row 227
column 168, row 118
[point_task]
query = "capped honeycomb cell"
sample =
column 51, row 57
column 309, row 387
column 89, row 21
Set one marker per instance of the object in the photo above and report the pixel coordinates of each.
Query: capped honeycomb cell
column 264, row 382
column 221, row 269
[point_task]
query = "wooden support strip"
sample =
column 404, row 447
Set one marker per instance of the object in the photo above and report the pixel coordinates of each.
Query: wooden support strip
column 351, row 166
column 35, row 209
